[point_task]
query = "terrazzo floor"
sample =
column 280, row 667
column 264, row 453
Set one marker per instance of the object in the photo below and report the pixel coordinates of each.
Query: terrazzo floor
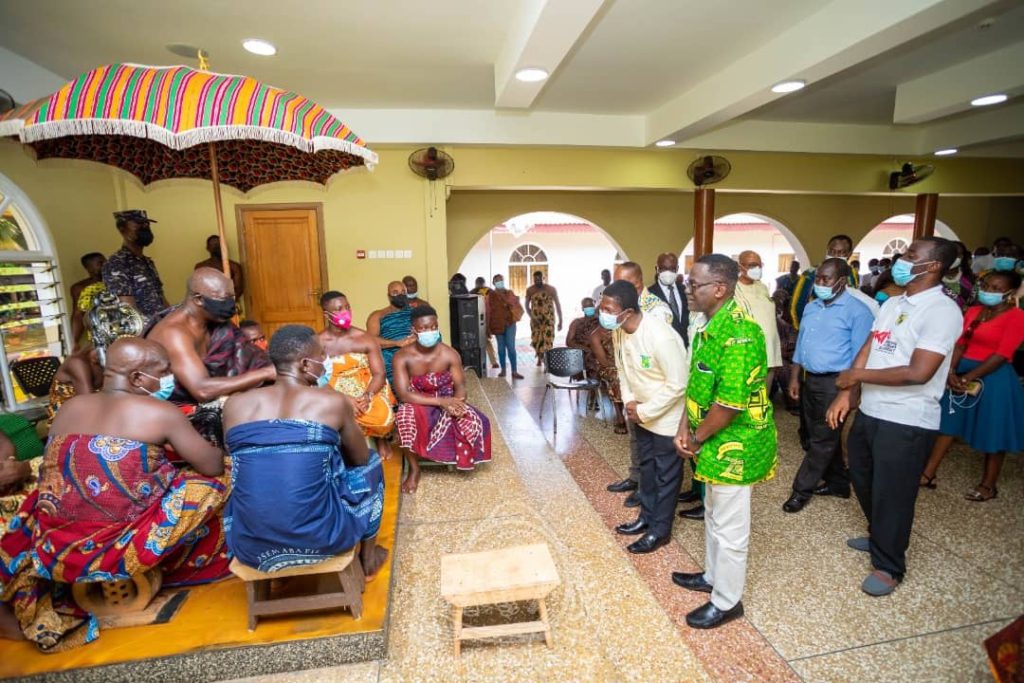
column 618, row 617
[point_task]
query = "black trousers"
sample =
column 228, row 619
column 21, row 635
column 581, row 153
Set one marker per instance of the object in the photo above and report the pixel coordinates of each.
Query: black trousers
column 886, row 462
column 824, row 457
column 661, row 473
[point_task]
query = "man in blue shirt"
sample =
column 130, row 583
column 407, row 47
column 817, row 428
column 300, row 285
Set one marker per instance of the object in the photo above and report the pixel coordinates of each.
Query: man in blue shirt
column 835, row 327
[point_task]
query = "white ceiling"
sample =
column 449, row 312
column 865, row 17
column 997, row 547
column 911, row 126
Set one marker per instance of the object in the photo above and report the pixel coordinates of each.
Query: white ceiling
column 624, row 72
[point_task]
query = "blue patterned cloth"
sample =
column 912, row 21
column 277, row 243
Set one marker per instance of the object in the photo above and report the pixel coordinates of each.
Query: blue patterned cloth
column 394, row 326
column 293, row 501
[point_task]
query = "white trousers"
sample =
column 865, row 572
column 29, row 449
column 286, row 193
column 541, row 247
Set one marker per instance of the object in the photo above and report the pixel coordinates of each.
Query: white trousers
column 726, row 536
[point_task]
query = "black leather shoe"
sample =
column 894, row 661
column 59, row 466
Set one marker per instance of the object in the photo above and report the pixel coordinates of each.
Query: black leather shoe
column 691, row 582
column 623, row 486
column 632, row 528
column 647, row 543
column 693, row 513
column 632, row 500
column 795, row 503
column 825, row 490
column 689, row 497
column 709, row 616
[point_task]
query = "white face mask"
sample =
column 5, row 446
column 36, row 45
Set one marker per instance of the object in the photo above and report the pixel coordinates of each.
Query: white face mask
column 667, row 278
column 754, row 273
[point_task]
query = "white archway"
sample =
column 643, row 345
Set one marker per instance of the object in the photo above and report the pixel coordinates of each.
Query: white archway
column 776, row 244
column 892, row 235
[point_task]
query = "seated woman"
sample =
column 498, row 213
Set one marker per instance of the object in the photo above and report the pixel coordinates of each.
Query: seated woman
column 109, row 505
column 79, row 374
column 578, row 337
column 434, row 421
column 305, row 485
column 356, row 369
column 603, row 351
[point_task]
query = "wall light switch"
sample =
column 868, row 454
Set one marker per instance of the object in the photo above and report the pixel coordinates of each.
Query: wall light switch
column 408, row 253
column 390, row 253
column 373, row 253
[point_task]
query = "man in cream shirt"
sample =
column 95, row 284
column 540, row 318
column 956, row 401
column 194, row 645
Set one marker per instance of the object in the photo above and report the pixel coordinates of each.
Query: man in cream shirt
column 653, row 367
column 752, row 296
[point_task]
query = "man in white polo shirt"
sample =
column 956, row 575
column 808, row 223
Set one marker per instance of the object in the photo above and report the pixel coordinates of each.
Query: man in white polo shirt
column 899, row 374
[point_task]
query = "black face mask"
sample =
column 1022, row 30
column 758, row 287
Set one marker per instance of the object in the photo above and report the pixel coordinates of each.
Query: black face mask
column 399, row 301
column 219, row 309
column 215, row 253
column 144, row 237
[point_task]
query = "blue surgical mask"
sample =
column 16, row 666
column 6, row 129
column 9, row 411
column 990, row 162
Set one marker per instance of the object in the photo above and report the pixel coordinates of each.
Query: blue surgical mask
column 589, row 311
column 609, row 321
column 901, row 271
column 1004, row 263
column 881, row 297
column 990, row 298
column 500, row 284
column 166, row 387
column 429, row 339
column 324, row 377
column 824, row 293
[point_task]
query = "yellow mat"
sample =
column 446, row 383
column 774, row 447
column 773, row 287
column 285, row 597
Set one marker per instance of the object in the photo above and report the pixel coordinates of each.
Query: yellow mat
column 214, row 617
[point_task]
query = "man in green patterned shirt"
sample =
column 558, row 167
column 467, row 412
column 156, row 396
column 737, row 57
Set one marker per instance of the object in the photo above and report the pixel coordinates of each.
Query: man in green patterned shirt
column 730, row 430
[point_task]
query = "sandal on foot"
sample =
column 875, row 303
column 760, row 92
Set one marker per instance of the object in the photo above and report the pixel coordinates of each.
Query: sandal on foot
column 621, row 429
column 879, row 583
column 981, row 493
column 927, row 482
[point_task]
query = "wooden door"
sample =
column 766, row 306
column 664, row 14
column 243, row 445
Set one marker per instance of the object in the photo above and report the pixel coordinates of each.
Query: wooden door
column 284, row 261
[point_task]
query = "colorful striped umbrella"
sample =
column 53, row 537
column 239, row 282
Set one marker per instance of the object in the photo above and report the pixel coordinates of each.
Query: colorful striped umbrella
column 179, row 122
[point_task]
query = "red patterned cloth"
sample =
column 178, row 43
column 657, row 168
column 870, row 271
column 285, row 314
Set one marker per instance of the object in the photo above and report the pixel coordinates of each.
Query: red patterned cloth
column 432, row 433
column 106, row 509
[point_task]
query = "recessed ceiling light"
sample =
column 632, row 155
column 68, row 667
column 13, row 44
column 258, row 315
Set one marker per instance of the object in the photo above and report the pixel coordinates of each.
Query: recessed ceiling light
column 531, row 75
column 945, row 152
column 259, row 47
column 788, row 86
column 664, row 143
column 988, row 99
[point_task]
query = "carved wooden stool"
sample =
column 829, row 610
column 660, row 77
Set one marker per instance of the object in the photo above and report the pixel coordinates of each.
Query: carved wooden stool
column 114, row 598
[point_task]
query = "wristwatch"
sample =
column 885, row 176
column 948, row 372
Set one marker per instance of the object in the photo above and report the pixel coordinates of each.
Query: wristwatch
column 694, row 440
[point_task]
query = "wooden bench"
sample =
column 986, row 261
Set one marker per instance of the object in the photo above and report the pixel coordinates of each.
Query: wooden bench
column 257, row 588
column 524, row 572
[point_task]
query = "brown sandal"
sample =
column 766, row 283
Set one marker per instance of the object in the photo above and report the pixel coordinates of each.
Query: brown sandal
column 621, row 428
column 975, row 495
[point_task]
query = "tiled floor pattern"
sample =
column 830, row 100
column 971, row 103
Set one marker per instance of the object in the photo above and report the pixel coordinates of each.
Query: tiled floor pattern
column 619, row 618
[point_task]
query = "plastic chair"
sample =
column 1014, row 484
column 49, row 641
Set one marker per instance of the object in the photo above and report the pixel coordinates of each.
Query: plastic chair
column 35, row 375
column 565, row 363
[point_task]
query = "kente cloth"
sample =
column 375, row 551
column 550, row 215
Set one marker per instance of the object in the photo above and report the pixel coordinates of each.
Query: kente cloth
column 432, row 433
column 59, row 393
column 728, row 367
column 395, row 326
column 350, row 375
column 294, row 501
column 542, row 322
column 106, row 509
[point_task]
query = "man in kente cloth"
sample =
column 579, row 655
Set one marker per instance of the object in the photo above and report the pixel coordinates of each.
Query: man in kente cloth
column 306, row 486
column 209, row 359
column 109, row 505
column 434, row 420
column 391, row 325
column 356, row 369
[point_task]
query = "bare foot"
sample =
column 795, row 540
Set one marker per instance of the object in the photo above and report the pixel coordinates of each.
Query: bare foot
column 10, row 629
column 412, row 480
column 384, row 448
column 372, row 557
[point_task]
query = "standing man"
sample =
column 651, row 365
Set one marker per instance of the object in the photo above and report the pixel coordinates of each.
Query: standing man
column 752, row 295
column 606, row 279
column 481, row 289
column 729, row 430
column 392, row 325
column 83, row 291
column 632, row 273
column 839, row 246
column 651, row 361
column 789, row 280
column 668, row 289
column 541, row 305
column 412, row 292
column 237, row 277
column 503, row 312
column 835, row 328
column 129, row 274
column 898, row 376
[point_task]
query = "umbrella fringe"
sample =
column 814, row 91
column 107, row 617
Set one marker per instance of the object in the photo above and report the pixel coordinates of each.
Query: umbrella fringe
column 179, row 141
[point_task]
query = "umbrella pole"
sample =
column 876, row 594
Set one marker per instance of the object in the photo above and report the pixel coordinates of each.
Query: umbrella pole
column 219, row 207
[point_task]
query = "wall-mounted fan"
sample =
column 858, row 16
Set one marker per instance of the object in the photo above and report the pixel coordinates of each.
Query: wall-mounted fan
column 431, row 163
column 909, row 174
column 708, row 170
column 7, row 102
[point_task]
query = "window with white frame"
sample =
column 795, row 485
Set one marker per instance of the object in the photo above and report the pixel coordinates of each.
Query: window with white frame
column 33, row 323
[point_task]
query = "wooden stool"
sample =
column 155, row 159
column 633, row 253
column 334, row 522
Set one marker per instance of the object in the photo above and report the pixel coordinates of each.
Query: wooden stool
column 115, row 598
column 257, row 588
column 524, row 572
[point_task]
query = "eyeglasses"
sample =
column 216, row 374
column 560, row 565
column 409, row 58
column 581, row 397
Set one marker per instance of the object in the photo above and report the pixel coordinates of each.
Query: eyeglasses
column 697, row 285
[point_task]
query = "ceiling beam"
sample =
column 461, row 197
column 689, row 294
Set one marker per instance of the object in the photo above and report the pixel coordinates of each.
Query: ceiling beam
column 1004, row 122
column 840, row 35
column 542, row 35
column 951, row 90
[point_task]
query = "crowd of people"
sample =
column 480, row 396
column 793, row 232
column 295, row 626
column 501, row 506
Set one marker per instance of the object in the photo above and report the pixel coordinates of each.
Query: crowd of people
column 198, row 439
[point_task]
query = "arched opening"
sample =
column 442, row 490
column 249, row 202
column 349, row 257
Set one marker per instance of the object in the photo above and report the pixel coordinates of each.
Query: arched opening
column 33, row 320
column 570, row 251
column 773, row 241
column 891, row 236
